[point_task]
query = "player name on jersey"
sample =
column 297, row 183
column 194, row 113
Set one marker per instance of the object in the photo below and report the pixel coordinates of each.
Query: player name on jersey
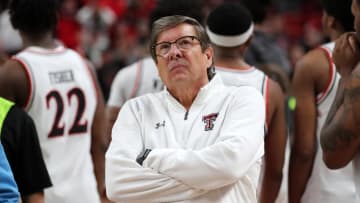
column 61, row 77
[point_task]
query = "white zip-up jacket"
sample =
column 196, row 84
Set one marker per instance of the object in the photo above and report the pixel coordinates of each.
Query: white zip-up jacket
column 209, row 154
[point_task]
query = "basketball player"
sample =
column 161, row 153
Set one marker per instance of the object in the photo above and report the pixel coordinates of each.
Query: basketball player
column 57, row 87
column 314, row 85
column 230, row 28
column 340, row 138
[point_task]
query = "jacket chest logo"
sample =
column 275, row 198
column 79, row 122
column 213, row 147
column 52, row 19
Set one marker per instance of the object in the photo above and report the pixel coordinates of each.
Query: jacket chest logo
column 160, row 124
column 209, row 121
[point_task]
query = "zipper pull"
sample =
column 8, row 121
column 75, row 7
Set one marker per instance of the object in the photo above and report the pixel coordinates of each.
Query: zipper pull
column 186, row 115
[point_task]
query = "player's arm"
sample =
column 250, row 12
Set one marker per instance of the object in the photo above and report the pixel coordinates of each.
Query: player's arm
column 111, row 114
column 14, row 82
column 340, row 138
column 99, row 138
column 304, row 142
column 239, row 147
column 37, row 197
column 275, row 144
column 126, row 180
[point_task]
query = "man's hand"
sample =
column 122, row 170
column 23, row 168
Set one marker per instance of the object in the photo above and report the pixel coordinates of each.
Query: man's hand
column 346, row 53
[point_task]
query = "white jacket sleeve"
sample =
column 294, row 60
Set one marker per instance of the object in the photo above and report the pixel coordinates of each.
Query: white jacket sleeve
column 126, row 180
column 239, row 146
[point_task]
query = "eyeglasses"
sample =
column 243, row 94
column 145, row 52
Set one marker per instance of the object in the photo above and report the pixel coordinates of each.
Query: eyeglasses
column 182, row 43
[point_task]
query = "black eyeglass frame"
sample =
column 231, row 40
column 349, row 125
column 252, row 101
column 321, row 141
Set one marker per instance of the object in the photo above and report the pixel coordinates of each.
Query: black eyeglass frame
column 176, row 44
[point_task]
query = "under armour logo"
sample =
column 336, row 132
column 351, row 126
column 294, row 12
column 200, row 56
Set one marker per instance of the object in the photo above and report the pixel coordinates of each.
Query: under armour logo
column 158, row 125
column 209, row 121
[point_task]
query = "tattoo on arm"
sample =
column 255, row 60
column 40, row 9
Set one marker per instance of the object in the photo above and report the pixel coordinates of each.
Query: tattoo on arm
column 347, row 102
column 339, row 134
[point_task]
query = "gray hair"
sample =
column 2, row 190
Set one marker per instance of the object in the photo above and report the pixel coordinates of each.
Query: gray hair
column 169, row 22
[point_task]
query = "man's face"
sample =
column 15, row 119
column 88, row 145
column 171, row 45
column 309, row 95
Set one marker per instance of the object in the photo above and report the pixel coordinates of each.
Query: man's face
column 355, row 10
column 183, row 67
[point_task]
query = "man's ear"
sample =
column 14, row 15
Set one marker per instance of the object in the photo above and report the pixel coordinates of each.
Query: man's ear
column 209, row 54
column 330, row 22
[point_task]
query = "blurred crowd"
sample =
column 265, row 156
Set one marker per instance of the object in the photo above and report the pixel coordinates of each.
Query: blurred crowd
column 114, row 33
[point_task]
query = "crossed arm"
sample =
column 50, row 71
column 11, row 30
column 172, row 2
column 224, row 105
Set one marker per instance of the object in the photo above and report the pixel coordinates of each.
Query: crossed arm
column 171, row 175
column 126, row 180
column 340, row 136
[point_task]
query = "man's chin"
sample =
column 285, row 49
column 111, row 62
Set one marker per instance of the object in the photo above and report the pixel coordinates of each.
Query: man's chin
column 179, row 75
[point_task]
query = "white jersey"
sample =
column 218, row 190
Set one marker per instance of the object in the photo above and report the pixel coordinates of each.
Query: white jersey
column 62, row 103
column 209, row 154
column 258, row 79
column 251, row 77
column 137, row 79
column 326, row 185
column 356, row 164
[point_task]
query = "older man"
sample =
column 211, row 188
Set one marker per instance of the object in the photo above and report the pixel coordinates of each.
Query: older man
column 196, row 141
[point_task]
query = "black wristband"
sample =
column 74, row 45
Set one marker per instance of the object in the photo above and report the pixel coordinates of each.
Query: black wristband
column 142, row 156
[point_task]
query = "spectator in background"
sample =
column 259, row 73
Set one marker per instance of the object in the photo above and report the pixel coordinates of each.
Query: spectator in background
column 95, row 21
column 128, row 37
column 302, row 19
column 314, row 86
column 10, row 41
column 230, row 28
column 68, row 29
column 264, row 52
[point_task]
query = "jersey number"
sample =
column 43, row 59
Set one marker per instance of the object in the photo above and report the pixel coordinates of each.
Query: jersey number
column 76, row 127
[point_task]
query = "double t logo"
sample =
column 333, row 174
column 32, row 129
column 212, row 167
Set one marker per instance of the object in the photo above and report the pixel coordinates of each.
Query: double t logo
column 209, row 121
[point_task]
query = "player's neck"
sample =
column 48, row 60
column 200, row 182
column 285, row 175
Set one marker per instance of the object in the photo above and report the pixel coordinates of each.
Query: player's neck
column 232, row 63
column 45, row 41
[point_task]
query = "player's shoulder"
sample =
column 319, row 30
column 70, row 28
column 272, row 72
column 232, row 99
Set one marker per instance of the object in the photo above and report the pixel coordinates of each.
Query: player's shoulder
column 245, row 92
column 129, row 70
column 317, row 56
column 244, row 89
column 148, row 62
column 12, row 70
column 313, row 63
